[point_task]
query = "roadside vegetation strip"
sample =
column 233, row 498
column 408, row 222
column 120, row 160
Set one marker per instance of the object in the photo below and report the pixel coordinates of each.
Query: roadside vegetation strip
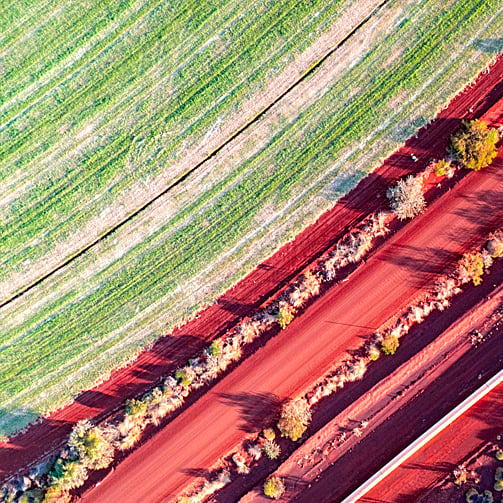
column 71, row 338
column 121, row 433
column 293, row 425
column 171, row 100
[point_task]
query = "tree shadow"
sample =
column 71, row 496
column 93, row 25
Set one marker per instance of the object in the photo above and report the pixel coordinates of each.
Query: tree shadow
column 441, row 467
column 482, row 204
column 258, row 410
column 236, row 307
column 419, row 262
column 91, row 398
column 490, row 45
column 197, row 473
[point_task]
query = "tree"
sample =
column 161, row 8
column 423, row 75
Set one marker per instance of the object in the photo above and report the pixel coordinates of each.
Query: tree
column 294, row 420
column 390, row 344
column 274, row 488
column 474, row 145
column 495, row 244
column 473, row 496
column 56, row 495
column 442, row 167
column 406, row 198
column 471, row 268
column 68, row 474
column 93, row 449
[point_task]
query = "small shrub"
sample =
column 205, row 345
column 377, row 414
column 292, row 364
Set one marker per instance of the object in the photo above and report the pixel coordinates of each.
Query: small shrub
column 471, row 268
column 498, row 475
column 136, row 408
column 294, row 420
column 242, row 467
column 474, row 145
column 473, row 496
column 185, row 376
column 285, row 315
column 390, row 344
column 32, row 496
column 499, row 454
column 460, row 475
column 274, row 488
column 406, row 198
column 271, row 449
column 269, row 434
column 255, row 452
column 56, row 495
column 215, row 348
column 442, row 167
column 68, row 474
column 495, row 244
column 374, row 353
column 498, row 485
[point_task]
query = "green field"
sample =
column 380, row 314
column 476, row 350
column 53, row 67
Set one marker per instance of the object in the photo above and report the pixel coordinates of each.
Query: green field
column 98, row 108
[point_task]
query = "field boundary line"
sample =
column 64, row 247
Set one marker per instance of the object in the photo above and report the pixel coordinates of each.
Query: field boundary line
column 428, row 435
column 309, row 71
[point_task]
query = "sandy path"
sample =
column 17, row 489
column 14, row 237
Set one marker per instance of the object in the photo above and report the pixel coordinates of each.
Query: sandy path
column 287, row 365
column 247, row 295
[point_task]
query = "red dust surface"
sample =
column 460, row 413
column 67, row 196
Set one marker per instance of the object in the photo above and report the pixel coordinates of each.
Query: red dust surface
column 438, row 344
column 171, row 351
column 287, row 365
column 437, row 459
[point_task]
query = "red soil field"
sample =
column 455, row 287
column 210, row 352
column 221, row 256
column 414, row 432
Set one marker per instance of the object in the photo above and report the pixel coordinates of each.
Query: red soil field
column 400, row 271
column 436, row 460
column 173, row 350
column 442, row 344
column 427, row 407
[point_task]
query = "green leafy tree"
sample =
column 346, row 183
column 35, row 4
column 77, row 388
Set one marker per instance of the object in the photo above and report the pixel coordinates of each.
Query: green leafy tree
column 93, row 449
column 285, row 315
column 471, row 268
column 274, row 488
column 294, row 420
column 68, row 474
column 474, row 145
column 390, row 344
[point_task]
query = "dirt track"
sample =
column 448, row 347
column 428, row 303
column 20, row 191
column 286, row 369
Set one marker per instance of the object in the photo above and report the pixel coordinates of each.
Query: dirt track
column 170, row 351
column 403, row 427
column 411, row 370
column 438, row 458
column 396, row 274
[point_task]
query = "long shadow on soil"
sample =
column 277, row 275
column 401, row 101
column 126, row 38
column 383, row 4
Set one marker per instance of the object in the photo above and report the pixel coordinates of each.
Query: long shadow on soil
column 257, row 409
column 418, row 338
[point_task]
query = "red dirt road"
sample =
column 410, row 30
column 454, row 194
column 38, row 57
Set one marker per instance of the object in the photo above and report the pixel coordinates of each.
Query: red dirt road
column 253, row 290
column 468, row 434
column 397, row 273
column 375, row 404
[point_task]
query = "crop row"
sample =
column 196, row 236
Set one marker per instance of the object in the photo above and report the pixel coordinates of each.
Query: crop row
column 147, row 96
